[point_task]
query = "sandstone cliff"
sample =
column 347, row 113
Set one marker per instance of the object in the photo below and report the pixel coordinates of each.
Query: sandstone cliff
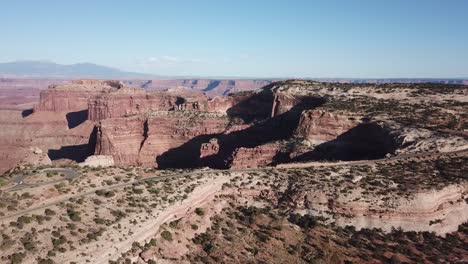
column 74, row 96
column 148, row 139
column 284, row 121
column 319, row 126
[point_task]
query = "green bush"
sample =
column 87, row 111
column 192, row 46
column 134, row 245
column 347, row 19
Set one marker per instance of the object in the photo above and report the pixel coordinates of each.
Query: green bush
column 49, row 212
column 166, row 235
column 73, row 215
column 199, row 211
column 17, row 258
column 304, row 221
column 45, row 261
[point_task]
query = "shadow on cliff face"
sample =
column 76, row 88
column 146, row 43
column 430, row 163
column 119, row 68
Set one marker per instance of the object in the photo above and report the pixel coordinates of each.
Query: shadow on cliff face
column 269, row 129
column 256, row 107
column 75, row 119
column 77, row 153
column 212, row 85
column 279, row 127
column 366, row 141
column 184, row 157
column 26, row 113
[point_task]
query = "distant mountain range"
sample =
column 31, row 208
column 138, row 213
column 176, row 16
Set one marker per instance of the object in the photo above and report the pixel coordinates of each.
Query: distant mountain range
column 46, row 69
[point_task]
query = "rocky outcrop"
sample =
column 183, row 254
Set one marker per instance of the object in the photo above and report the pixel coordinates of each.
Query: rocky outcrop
column 319, row 126
column 47, row 131
column 367, row 140
column 135, row 101
column 256, row 157
column 98, row 161
column 12, row 156
column 440, row 211
column 209, row 149
column 142, row 140
column 36, row 157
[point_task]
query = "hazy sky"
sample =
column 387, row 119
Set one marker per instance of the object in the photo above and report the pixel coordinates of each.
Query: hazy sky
column 290, row 38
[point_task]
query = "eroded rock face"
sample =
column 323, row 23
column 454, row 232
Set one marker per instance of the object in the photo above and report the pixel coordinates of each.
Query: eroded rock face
column 209, row 149
column 256, row 157
column 318, row 126
column 170, row 128
column 159, row 138
column 47, row 131
column 74, row 96
column 134, row 101
column 415, row 213
column 58, row 126
column 409, row 194
column 98, row 161
column 367, row 140
column 174, row 128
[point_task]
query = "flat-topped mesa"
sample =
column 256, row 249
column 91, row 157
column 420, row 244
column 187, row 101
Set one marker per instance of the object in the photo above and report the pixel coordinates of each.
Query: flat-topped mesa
column 210, row 87
column 74, row 96
column 135, row 101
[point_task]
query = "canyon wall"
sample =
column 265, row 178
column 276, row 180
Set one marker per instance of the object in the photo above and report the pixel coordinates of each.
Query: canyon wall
column 284, row 121
column 74, row 96
column 148, row 140
column 319, row 126
column 135, row 101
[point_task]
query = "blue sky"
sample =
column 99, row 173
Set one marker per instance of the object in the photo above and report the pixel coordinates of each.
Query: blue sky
column 256, row 38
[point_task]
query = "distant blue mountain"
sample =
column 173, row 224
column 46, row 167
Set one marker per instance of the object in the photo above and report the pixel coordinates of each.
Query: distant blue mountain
column 47, row 69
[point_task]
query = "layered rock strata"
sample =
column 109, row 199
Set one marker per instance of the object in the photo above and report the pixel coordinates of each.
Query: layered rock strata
column 319, row 126
column 74, row 96
column 147, row 140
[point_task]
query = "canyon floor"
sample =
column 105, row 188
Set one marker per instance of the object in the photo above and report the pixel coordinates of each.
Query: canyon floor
column 295, row 172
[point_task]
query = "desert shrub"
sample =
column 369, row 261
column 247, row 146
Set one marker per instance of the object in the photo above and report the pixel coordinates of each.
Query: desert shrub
column 28, row 245
column 104, row 193
column 253, row 250
column 73, row 215
column 248, row 214
column 24, row 219
column 3, row 181
column 304, row 221
column 138, row 191
column 118, row 214
column 39, row 218
column 59, row 241
column 17, row 258
column 166, row 235
column 100, row 221
column 45, row 261
column 26, row 195
column 49, row 212
column 200, row 211
column 152, row 242
column 6, row 244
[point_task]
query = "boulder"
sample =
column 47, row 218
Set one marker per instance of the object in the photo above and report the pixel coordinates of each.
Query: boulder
column 98, row 161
